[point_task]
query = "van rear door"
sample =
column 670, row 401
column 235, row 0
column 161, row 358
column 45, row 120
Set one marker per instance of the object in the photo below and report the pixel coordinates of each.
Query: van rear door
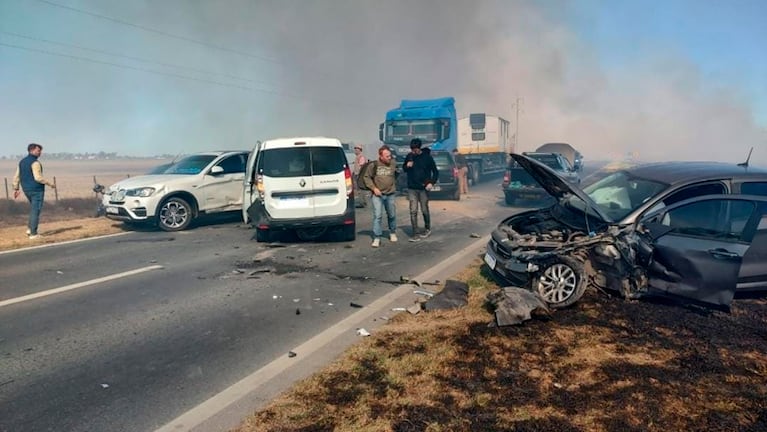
column 285, row 173
column 329, row 181
column 249, row 192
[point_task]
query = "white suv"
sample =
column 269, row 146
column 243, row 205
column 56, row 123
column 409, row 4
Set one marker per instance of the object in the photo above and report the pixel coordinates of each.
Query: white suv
column 301, row 184
column 208, row 182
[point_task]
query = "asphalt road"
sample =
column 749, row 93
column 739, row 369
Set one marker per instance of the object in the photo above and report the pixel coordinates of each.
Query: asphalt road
column 147, row 325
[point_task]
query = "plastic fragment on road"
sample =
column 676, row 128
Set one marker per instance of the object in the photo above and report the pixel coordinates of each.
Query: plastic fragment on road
column 291, row 354
column 514, row 305
column 414, row 309
column 455, row 294
column 424, row 293
column 103, row 385
column 474, row 235
column 355, row 305
column 398, row 309
column 363, row 332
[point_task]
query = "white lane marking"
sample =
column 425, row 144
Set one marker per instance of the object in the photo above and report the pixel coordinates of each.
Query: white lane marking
column 78, row 285
column 217, row 403
column 46, row 245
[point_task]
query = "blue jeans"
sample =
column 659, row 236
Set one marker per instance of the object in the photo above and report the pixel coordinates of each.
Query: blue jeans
column 379, row 202
column 35, row 206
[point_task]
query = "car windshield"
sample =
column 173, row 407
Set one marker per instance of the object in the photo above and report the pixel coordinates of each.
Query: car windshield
column 190, row 165
column 619, row 194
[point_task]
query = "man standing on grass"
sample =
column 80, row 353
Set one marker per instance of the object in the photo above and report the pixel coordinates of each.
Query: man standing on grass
column 422, row 174
column 380, row 177
column 29, row 175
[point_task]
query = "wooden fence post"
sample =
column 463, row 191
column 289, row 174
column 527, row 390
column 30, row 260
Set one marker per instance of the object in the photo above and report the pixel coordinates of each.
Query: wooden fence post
column 55, row 189
column 7, row 196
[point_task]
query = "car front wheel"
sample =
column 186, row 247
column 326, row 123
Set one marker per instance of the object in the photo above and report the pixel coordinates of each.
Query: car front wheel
column 561, row 283
column 175, row 215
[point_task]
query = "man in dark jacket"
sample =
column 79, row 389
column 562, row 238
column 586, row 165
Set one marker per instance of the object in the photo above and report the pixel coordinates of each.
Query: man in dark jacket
column 29, row 176
column 422, row 174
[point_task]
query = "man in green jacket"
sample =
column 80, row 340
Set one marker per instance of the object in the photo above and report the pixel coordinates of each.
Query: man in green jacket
column 380, row 178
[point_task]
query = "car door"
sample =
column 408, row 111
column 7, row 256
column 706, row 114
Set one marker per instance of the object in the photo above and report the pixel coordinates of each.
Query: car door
column 328, row 180
column 699, row 246
column 249, row 192
column 753, row 269
column 221, row 187
column 286, row 178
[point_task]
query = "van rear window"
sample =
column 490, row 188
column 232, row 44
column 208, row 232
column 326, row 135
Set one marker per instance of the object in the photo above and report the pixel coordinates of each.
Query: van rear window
column 301, row 162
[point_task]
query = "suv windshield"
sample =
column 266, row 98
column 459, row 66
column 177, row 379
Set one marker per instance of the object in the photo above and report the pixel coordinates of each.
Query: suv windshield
column 190, row 165
column 549, row 160
column 619, row 194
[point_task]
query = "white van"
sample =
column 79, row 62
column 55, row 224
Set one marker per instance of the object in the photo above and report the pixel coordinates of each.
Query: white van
column 301, row 184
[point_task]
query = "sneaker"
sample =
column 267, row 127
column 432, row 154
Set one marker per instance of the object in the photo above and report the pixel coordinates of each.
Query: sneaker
column 376, row 242
column 29, row 231
column 393, row 238
column 34, row 236
column 414, row 239
column 425, row 234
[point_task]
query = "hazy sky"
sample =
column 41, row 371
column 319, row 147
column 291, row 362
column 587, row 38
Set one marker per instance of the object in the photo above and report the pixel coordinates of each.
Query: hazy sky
column 666, row 79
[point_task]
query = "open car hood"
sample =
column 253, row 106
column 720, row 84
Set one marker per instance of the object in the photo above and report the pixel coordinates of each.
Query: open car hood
column 555, row 185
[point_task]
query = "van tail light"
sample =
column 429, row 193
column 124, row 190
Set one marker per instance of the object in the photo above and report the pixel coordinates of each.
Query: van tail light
column 348, row 179
column 260, row 186
column 507, row 177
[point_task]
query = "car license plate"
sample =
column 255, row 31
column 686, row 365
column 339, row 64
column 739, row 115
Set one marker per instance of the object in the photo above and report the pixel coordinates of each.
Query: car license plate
column 113, row 210
column 490, row 260
column 294, row 202
column 435, row 188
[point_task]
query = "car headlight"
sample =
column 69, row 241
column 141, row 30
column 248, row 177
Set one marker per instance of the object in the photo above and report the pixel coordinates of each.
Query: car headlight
column 140, row 192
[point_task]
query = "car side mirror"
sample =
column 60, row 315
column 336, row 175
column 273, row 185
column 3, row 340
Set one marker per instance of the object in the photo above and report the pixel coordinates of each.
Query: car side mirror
column 216, row 170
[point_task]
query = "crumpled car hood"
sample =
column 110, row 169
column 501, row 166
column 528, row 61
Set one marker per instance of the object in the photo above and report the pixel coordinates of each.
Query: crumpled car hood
column 555, row 185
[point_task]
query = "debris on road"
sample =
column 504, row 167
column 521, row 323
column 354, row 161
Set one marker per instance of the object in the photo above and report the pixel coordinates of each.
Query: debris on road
column 291, row 354
column 514, row 305
column 265, row 269
column 355, row 305
column 298, row 311
column 474, row 235
column 363, row 332
column 424, row 293
column 455, row 294
column 414, row 309
column 398, row 309
column 104, row 385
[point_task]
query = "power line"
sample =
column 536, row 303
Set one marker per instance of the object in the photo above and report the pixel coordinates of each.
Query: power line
column 173, row 36
column 174, row 75
column 139, row 59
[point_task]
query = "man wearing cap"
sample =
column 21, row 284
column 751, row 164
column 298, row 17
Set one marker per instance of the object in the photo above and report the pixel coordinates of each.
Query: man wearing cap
column 359, row 161
column 422, row 174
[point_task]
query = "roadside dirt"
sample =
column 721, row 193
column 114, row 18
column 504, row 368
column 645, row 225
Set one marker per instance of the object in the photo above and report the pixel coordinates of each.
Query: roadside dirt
column 14, row 236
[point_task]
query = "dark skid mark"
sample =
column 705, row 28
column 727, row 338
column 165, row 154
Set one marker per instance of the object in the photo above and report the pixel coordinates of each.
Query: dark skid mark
column 147, row 240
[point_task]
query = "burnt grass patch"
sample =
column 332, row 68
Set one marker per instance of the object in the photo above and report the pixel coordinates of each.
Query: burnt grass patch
column 605, row 364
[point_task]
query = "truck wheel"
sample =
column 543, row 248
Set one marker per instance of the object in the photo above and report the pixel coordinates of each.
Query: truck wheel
column 474, row 173
column 510, row 199
column 175, row 214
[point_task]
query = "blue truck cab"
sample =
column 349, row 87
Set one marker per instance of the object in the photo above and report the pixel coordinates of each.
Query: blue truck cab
column 432, row 120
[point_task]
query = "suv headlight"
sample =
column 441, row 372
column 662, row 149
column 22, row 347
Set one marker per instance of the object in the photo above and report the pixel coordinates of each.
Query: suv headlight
column 140, row 192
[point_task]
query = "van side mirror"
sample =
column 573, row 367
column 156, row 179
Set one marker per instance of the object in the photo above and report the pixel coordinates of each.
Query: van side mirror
column 380, row 132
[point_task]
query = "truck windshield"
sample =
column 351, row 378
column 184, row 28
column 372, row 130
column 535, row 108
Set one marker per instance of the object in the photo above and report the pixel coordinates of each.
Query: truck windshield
column 429, row 131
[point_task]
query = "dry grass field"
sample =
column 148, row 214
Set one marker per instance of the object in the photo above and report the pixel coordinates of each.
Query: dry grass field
column 74, row 179
column 71, row 216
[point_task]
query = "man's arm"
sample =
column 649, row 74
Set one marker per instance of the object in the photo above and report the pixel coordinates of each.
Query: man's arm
column 408, row 158
column 16, row 179
column 37, row 172
column 434, row 170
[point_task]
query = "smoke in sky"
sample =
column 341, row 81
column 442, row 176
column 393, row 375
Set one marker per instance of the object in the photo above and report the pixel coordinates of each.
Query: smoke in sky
column 334, row 67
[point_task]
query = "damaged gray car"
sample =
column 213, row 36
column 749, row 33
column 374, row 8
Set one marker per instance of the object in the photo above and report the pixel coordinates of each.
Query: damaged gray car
column 694, row 230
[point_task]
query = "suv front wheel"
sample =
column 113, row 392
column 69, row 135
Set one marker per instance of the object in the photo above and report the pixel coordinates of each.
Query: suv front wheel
column 175, row 214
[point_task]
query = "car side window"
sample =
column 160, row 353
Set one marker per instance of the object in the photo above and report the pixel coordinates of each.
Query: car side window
column 233, row 164
column 695, row 191
column 714, row 219
column 754, row 188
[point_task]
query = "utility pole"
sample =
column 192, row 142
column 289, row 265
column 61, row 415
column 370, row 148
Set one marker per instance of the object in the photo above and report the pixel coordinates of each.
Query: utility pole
column 516, row 107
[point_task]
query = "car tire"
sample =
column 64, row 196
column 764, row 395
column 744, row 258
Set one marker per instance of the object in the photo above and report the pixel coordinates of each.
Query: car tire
column 263, row 235
column 349, row 232
column 311, row 233
column 560, row 283
column 510, row 199
column 174, row 214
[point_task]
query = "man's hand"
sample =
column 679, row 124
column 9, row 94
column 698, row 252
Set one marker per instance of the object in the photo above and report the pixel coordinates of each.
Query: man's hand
column 16, row 193
column 53, row 185
column 429, row 186
column 409, row 164
column 377, row 192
